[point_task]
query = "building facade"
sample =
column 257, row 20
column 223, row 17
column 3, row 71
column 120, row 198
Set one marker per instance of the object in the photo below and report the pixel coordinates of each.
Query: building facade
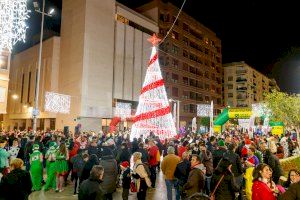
column 99, row 59
column 243, row 85
column 190, row 58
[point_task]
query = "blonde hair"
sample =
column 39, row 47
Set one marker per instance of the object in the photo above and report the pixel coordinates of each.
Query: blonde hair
column 137, row 155
column 16, row 163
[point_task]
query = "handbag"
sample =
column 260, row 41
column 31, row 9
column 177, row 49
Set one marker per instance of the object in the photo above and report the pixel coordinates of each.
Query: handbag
column 133, row 187
column 212, row 196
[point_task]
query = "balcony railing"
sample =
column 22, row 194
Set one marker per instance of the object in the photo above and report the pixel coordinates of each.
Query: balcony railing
column 241, row 88
column 241, row 80
column 241, row 97
column 243, row 71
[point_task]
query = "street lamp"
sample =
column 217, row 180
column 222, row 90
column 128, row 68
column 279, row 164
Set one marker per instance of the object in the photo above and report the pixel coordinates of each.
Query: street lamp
column 15, row 96
column 35, row 111
column 177, row 112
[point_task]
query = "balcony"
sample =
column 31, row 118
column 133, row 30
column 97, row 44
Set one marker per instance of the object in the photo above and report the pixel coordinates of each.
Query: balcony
column 241, row 79
column 242, row 97
column 241, row 71
column 242, row 105
column 241, row 88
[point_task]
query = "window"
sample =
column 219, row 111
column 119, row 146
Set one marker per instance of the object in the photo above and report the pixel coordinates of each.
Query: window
column 175, row 49
column 175, row 63
column 167, row 76
column 185, row 27
column 186, row 107
column 206, row 74
column 185, row 80
column 192, row 70
column 219, row 101
column 185, row 94
column 206, row 87
column 230, row 95
column 206, row 51
column 175, row 92
column 175, row 35
column 177, row 21
column 185, row 54
column 185, row 67
column 230, row 78
column 193, row 108
column 174, row 78
column 199, row 97
column 230, row 86
column 213, row 88
column 206, row 98
column 200, row 84
column 185, row 40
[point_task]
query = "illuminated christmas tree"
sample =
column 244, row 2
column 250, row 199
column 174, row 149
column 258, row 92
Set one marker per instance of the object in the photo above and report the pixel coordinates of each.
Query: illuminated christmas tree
column 153, row 111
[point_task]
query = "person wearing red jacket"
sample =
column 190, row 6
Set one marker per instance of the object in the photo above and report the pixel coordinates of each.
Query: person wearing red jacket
column 153, row 162
column 263, row 187
column 182, row 149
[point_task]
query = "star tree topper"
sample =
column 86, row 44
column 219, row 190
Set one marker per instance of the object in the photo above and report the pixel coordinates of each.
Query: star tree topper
column 154, row 39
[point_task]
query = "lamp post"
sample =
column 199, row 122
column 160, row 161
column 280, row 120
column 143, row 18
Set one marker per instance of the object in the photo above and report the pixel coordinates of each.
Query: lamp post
column 35, row 111
column 177, row 112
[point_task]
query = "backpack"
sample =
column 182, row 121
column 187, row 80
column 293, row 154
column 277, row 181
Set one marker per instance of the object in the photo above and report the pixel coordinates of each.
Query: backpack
column 146, row 166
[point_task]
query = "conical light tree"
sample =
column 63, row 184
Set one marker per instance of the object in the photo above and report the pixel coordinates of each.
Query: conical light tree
column 153, row 112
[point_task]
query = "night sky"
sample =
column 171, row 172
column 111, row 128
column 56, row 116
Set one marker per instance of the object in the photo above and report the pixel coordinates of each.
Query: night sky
column 263, row 33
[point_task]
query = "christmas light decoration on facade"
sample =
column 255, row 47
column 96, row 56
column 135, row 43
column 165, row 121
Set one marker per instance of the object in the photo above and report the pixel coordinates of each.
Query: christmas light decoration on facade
column 13, row 14
column 123, row 110
column 203, row 110
column 153, row 112
column 57, row 103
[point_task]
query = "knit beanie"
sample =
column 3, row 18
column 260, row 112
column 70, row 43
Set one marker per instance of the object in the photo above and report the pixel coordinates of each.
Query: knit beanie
column 221, row 143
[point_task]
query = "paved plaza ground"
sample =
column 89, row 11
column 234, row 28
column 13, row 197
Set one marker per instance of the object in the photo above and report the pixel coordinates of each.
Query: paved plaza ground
column 155, row 194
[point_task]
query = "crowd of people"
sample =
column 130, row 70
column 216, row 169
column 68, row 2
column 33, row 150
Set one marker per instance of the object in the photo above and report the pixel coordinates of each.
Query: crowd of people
column 231, row 165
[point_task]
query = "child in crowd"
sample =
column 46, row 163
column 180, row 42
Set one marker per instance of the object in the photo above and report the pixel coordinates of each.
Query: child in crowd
column 125, row 178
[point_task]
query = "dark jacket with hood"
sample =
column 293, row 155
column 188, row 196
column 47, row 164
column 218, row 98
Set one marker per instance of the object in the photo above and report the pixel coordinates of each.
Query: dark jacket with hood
column 16, row 185
column 110, row 174
column 196, row 181
column 90, row 189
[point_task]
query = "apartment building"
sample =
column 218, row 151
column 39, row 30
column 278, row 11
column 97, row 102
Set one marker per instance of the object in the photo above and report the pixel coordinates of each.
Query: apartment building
column 243, row 85
column 190, row 58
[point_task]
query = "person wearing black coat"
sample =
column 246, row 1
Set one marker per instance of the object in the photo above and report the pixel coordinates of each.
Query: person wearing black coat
column 182, row 173
column 273, row 162
column 236, row 168
column 110, row 177
column 93, row 160
column 134, row 145
column 123, row 154
column 90, row 189
column 17, row 184
column 144, row 153
column 227, row 187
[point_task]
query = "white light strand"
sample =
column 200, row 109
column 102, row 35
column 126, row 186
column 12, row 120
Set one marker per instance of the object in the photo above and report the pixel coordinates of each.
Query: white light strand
column 13, row 14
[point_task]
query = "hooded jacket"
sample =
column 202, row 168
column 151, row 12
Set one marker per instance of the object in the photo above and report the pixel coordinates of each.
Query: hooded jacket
column 196, row 181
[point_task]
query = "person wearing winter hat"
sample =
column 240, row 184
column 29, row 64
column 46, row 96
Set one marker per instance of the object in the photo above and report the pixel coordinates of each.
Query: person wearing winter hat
column 125, row 179
column 218, row 153
column 36, row 168
column 50, row 166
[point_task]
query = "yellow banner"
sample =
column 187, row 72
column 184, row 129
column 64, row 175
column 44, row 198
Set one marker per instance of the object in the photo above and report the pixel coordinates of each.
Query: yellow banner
column 217, row 129
column 277, row 130
column 239, row 113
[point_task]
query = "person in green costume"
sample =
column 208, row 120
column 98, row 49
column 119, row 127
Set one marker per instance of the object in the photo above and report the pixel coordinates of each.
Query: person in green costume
column 51, row 167
column 36, row 168
column 61, row 163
